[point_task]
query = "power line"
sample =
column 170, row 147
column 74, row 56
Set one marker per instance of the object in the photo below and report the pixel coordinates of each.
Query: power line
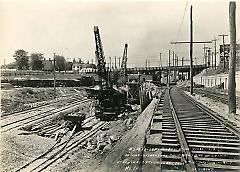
column 180, row 28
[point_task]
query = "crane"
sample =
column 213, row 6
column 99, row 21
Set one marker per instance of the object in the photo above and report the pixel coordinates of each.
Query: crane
column 122, row 74
column 110, row 102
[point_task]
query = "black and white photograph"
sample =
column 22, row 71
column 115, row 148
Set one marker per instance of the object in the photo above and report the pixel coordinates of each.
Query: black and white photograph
column 120, row 85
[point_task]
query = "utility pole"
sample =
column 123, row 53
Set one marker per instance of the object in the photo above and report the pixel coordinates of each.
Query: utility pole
column 4, row 64
column 119, row 65
column 54, row 76
column 174, row 64
column 110, row 63
column 209, row 57
column 173, row 58
column 182, row 65
column 224, row 60
column 160, row 65
column 205, row 49
column 169, row 64
column 204, row 60
column 191, row 42
column 160, row 59
column 232, row 60
column 191, row 51
column 215, row 53
column 212, row 59
column 92, row 74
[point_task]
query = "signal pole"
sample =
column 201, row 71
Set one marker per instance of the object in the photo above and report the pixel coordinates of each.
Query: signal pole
column 224, row 60
column 232, row 60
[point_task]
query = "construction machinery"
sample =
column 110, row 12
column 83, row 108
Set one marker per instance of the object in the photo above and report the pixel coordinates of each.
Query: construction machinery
column 110, row 102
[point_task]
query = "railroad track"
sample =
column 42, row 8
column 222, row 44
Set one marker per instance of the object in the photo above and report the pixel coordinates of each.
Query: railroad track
column 214, row 95
column 185, row 136
column 45, row 104
column 59, row 150
column 38, row 116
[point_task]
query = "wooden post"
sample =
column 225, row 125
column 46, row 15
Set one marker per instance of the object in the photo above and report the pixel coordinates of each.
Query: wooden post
column 191, row 52
column 232, row 60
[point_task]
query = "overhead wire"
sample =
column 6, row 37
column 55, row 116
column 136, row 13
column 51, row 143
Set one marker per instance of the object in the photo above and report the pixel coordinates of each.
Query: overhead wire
column 180, row 28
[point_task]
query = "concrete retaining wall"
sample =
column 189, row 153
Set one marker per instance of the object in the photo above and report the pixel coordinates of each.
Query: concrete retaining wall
column 211, row 81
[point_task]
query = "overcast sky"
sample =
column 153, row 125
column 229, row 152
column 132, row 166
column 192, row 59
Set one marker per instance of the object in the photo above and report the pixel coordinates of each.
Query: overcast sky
column 66, row 28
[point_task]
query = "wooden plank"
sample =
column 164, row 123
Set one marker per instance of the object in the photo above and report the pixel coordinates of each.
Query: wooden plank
column 132, row 139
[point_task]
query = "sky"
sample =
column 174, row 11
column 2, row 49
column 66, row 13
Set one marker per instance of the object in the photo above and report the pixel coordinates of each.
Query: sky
column 65, row 27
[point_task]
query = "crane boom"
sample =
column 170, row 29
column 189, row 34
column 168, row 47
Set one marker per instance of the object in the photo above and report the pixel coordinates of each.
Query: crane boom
column 102, row 72
column 124, row 65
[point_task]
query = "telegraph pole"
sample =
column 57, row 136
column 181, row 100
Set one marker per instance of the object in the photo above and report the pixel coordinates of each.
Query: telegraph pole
column 224, row 60
column 206, row 54
column 160, row 59
column 169, row 64
column 232, row 60
column 215, row 53
column 110, row 63
column 212, row 59
column 182, row 65
column 209, row 56
column 4, row 64
column 119, row 62
column 191, row 51
column 54, row 76
column 173, row 58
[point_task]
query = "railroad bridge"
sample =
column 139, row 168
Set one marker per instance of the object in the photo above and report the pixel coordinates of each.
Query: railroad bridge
column 158, row 72
column 149, row 70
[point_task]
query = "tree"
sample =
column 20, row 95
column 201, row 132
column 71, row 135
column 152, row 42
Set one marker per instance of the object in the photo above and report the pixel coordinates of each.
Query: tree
column 36, row 61
column 22, row 59
column 69, row 65
column 60, row 63
column 74, row 60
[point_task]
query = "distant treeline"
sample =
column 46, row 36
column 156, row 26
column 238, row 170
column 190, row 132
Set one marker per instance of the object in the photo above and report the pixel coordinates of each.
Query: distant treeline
column 37, row 61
